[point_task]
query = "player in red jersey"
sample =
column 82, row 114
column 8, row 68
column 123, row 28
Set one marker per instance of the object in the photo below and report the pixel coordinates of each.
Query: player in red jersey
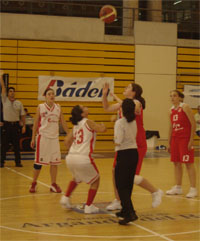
column 181, row 135
column 133, row 91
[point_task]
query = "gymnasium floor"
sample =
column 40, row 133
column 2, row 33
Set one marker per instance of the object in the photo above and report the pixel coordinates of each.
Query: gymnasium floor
column 39, row 216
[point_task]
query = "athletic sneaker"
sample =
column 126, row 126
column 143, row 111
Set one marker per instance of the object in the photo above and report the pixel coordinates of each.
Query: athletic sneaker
column 33, row 187
column 115, row 205
column 65, row 202
column 157, row 198
column 175, row 190
column 91, row 209
column 55, row 188
column 192, row 192
column 128, row 219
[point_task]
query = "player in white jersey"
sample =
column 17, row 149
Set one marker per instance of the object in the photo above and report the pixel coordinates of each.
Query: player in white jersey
column 46, row 126
column 81, row 141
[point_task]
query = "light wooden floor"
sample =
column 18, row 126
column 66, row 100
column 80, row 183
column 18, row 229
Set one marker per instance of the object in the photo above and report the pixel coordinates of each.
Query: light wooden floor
column 39, row 216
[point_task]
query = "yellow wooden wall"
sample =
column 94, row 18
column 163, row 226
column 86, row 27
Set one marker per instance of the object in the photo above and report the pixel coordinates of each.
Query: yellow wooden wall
column 188, row 70
column 26, row 60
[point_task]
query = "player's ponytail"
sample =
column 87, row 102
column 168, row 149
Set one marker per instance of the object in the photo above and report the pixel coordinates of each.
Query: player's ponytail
column 128, row 109
column 76, row 115
column 138, row 94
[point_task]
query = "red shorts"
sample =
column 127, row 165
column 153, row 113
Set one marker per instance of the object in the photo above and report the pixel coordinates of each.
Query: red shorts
column 179, row 150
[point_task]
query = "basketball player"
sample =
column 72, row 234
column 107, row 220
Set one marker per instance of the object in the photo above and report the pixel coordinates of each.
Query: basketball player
column 125, row 132
column 46, row 126
column 181, row 135
column 81, row 141
column 134, row 92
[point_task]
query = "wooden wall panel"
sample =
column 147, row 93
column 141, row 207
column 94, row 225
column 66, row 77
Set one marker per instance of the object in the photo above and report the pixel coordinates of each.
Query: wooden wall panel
column 25, row 60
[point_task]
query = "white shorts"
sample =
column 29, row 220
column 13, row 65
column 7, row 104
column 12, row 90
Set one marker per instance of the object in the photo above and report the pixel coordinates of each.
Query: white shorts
column 84, row 170
column 47, row 151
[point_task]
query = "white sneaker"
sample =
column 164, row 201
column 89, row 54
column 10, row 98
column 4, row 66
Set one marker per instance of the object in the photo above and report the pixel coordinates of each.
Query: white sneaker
column 174, row 191
column 192, row 192
column 91, row 209
column 115, row 205
column 65, row 202
column 157, row 198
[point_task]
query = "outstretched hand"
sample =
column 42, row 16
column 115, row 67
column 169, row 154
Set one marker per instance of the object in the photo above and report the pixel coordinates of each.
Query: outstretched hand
column 105, row 89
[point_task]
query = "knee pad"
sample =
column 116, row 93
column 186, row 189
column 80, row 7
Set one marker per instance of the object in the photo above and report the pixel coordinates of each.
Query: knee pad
column 138, row 179
column 37, row 167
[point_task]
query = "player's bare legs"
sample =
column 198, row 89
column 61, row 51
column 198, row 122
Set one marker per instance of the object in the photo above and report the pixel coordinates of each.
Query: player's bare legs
column 36, row 174
column 142, row 182
column 147, row 186
column 178, row 173
column 53, row 172
column 192, row 177
column 89, row 207
column 191, row 173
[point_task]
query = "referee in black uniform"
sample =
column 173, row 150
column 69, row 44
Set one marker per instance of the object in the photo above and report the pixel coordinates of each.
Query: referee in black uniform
column 13, row 113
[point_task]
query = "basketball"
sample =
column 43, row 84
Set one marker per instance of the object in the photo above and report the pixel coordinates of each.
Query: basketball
column 108, row 14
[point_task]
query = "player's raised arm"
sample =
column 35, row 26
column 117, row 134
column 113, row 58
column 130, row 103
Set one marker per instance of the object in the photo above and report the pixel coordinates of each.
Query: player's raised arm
column 105, row 103
column 96, row 127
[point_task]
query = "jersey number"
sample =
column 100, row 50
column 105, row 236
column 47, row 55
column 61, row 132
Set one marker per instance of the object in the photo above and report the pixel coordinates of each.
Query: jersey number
column 186, row 158
column 175, row 117
column 79, row 136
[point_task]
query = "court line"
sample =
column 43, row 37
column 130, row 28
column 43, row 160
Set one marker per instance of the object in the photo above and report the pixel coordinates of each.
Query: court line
column 76, row 236
column 44, row 184
column 28, row 195
column 148, row 230
column 137, row 225
column 30, row 178
column 196, row 231
column 85, row 236
column 141, row 227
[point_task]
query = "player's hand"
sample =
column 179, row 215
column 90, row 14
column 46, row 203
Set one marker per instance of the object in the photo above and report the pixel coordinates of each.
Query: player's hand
column 23, row 129
column 32, row 143
column 105, row 89
column 190, row 145
column 169, row 149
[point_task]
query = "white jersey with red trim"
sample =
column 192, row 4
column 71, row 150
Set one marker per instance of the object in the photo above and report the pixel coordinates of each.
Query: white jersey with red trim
column 49, row 120
column 84, row 139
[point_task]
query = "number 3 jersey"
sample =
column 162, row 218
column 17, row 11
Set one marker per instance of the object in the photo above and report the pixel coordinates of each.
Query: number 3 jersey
column 84, row 139
column 181, row 126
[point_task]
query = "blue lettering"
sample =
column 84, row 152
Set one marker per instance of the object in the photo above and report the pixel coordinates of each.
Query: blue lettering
column 95, row 90
column 78, row 92
column 68, row 89
column 60, row 83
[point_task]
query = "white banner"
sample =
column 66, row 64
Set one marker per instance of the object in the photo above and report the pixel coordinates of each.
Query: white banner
column 192, row 95
column 75, row 89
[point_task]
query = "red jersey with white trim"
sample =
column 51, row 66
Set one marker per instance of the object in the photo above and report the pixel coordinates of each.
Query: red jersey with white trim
column 181, row 126
column 84, row 139
column 49, row 120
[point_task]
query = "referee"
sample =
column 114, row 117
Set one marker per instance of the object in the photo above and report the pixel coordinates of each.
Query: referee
column 13, row 113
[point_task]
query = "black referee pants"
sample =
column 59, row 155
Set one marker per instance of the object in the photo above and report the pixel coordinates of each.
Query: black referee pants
column 11, row 132
column 124, row 178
